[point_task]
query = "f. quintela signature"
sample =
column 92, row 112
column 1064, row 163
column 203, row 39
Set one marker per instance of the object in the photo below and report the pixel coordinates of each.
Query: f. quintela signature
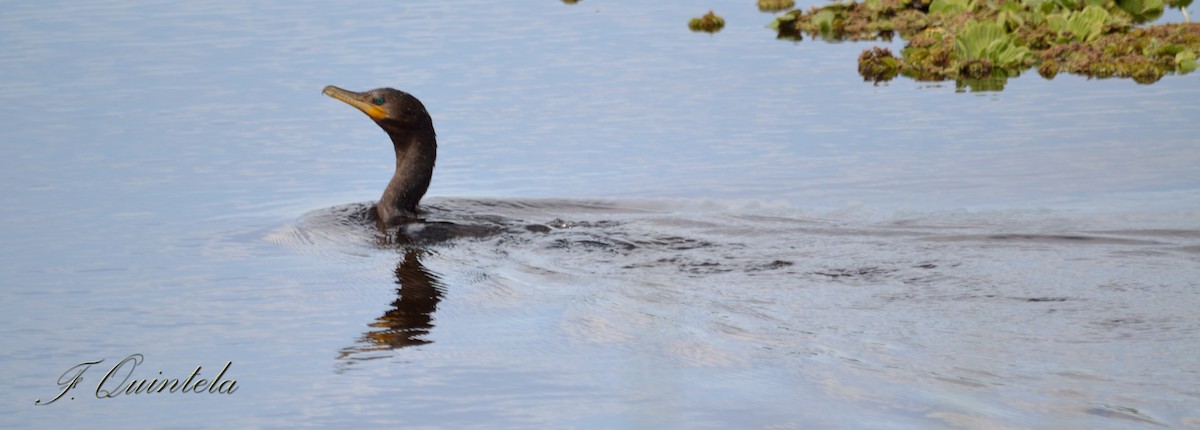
column 120, row 380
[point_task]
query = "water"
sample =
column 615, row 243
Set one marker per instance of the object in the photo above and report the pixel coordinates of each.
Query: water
column 744, row 234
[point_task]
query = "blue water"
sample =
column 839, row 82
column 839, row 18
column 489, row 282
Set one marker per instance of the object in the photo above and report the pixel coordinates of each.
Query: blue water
column 758, row 238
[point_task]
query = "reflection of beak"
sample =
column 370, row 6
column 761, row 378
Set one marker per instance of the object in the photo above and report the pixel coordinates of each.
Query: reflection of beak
column 358, row 100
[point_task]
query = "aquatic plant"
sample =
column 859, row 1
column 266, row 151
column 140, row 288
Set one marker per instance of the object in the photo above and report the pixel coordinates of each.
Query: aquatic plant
column 878, row 65
column 710, row 23
column 785, row 29
column 1142, row 54
column 872, row 19
column 775, row 5
column 949, row 7
column 1081, row 26
column 1185, row 61
column 988, row 42
column 982, row 43
column 824, row 20
column 1142, row 10
column 929, row 57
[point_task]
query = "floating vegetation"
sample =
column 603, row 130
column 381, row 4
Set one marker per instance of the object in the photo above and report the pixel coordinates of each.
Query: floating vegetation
column 710, row 23
column 982, row 43
column 878, row 64
column 775, row 5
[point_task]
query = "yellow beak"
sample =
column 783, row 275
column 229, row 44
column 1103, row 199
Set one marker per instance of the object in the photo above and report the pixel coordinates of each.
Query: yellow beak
column 358, row 100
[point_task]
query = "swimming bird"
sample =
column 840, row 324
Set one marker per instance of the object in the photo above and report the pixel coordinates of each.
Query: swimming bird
column 410, row 127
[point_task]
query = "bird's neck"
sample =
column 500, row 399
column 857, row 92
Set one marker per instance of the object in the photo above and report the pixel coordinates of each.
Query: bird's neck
column 415, row 155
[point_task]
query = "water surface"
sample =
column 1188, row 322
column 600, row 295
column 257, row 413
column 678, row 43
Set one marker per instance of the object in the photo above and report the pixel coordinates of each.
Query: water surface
column 742, row 234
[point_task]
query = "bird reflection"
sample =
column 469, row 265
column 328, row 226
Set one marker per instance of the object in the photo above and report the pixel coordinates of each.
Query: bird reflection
column 410, row 317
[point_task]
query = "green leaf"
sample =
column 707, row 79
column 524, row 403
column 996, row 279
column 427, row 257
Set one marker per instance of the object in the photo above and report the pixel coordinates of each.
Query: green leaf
column 1057, row 22
column 780, row 20
column 1067, row 4
column 1185, row 62
column 949, row 7
column 824, row 20
column 1087, row 25
column 1010, row 19
column 975, row 38
column 1142, row 10
column 988, row 41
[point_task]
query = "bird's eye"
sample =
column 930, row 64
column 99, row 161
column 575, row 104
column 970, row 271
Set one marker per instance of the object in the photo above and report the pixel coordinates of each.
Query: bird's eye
column 378, row 100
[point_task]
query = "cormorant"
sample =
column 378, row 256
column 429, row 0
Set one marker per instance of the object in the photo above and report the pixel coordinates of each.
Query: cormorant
column 406, row 121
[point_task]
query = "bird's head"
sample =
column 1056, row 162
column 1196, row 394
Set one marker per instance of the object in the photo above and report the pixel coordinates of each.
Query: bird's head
column 390, row 108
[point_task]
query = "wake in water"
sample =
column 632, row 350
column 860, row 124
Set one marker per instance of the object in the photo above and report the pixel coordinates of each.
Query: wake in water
column 1092, row 318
